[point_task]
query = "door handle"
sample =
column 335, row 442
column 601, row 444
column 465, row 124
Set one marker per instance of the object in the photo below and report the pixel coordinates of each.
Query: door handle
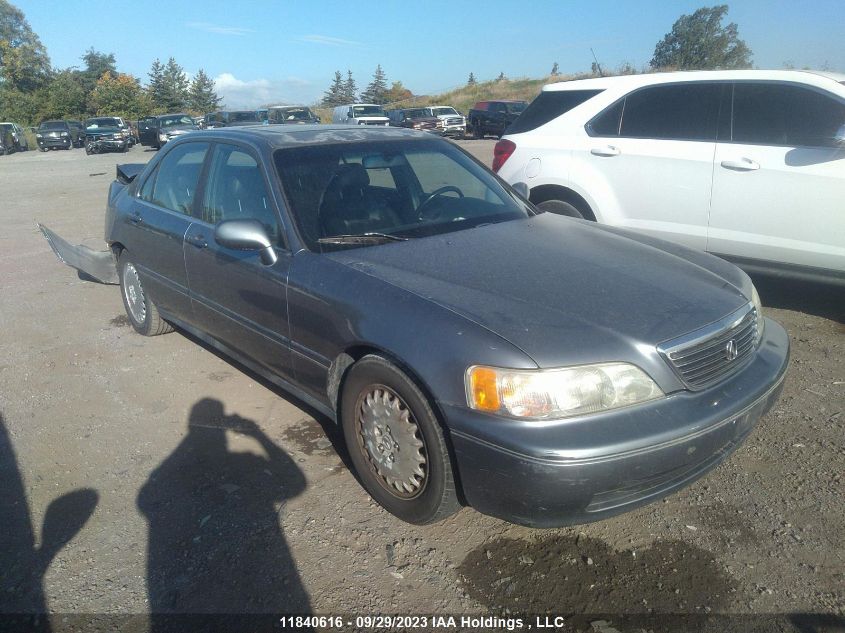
column 744, row 164
column 198, row 241
column 607, row 150
column 135, row 218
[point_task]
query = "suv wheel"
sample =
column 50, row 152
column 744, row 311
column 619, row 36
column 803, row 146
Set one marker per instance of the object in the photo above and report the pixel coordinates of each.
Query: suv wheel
column 142, row 312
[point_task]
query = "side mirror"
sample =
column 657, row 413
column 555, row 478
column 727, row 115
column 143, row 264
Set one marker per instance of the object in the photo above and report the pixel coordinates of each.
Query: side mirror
column 521, row 188
column 246, row 235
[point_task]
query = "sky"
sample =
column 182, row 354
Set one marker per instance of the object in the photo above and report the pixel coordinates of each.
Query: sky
column 274, row 51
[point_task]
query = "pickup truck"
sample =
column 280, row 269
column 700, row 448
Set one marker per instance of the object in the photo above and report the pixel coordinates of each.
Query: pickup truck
column 493, row 117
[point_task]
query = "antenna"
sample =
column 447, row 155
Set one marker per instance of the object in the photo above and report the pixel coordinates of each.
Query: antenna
column 601, row 73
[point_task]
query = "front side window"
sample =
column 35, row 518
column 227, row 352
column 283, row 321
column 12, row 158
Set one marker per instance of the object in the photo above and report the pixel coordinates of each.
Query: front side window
column 687, row 112
column 174, row 183
column 402, row 188
column 235, row 190
column 782, row 114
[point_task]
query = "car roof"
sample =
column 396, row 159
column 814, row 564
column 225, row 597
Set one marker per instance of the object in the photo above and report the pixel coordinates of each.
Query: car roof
column 647, row 79
column 279, row 136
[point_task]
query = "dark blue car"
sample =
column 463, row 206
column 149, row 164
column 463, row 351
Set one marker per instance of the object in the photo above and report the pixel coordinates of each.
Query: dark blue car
column 474, row 350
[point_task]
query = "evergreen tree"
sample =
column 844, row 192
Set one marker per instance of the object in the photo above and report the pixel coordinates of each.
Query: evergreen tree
column 501, row 77
column 155, row 87
column 334, row 96
column 471, row 81
column 175, row 87
column 201, row 96
column 98, row 64
column 700, row 42
column 376, row 91
column 555, row 70
column 350, row 90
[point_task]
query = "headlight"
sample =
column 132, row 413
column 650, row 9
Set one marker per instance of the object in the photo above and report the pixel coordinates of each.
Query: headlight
column 65, row 134
column 162, row 136
column 758, row 305
column 38, row 136
column 558, row 393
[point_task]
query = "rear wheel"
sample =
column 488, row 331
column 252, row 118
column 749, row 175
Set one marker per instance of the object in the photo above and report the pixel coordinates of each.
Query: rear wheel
column 396, row 443
column 559, row 207
column 142, row 312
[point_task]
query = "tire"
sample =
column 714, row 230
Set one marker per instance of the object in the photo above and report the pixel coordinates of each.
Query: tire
column 140, row 309
column 395, row 403
column 559, row 207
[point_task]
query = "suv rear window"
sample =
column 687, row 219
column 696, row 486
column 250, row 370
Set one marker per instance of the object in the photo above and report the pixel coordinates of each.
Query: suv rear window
column 547, row 106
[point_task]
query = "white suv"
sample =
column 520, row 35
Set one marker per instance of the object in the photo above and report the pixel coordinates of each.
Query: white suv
column 748, row 165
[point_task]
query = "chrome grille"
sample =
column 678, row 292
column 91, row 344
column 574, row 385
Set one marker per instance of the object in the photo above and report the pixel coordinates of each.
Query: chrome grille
column 455, row 121
column 704, row 357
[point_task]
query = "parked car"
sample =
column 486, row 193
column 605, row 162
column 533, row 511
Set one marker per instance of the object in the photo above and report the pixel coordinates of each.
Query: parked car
column 55, row 135
column 360, row 114
column 106, row 134
column 230, row 118
column 155, row 131
column 13, row 138
column 415, row 119
column 77, row 132
column 493, row 117
column 542, row 369
column 452, row 122
column 748, row 165
column 291, row 114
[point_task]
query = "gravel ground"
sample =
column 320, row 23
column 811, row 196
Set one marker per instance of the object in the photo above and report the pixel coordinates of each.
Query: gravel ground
column 182, row 483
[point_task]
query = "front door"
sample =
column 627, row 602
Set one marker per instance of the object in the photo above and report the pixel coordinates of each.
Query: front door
column 779, row 179
column 147, row 130
column 236, row 298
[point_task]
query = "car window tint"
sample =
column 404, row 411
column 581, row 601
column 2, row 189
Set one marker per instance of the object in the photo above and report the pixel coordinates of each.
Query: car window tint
column 780, row 114
column 676, row 111
column 146, row 192
column 549, row 105
column 235, row 190
column 439, row 170
column 178, row 173
column 608, row 121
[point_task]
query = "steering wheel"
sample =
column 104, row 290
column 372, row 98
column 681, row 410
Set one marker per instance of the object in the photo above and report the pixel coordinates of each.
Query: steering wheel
column 435, row 194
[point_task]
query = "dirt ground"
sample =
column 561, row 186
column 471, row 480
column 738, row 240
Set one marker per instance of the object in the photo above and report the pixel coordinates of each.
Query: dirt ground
column 182, row 483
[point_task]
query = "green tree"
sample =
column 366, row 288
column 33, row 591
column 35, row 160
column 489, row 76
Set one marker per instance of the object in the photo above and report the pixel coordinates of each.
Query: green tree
column 376, row 91
column 471, row 81
column 120, row 95
column 700, row 41
column 501, row 77
column 397, row 92
column 98, row 64
column 350, row 89
column 24, row 63
column 175, row 86
column 155, row 85
column 202, row 97
column 335, row 94
column 67, row 96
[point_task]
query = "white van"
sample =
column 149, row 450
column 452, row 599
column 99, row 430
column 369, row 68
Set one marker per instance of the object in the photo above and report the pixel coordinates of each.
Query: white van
column 360, row 114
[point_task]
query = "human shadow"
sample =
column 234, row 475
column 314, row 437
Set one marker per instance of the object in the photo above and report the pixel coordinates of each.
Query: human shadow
column 215, row 543
column 23, row 565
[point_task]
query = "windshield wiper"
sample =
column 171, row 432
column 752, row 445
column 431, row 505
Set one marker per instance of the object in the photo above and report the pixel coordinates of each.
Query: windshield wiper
column 362, row 238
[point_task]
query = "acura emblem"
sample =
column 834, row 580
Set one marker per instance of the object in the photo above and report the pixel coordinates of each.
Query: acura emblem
column 730, row 350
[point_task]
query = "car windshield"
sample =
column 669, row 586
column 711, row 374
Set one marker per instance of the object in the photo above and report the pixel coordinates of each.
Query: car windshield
column 5, row 127
column 102, row 122
column 178, row 119
column 243, row 116
column 368, row 110
column 516, row 107
column 53, row 125
column 443, row 111
column 389, row 189
column 293, row 114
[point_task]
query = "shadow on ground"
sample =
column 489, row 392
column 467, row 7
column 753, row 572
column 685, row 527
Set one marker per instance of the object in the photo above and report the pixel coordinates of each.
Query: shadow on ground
column 821, row 300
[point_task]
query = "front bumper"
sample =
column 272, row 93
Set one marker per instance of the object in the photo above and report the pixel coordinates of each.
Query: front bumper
column 112, row 144
column 55, row 141
column 564, row 472
column 454, row 130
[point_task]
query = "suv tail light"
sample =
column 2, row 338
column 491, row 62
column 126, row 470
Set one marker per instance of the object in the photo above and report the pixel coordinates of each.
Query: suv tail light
column 502, row 152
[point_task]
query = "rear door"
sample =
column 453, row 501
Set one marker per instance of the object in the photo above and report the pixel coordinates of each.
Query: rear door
column 779, row 179
column 650, row 159
column 159, row 220
column 236, row 298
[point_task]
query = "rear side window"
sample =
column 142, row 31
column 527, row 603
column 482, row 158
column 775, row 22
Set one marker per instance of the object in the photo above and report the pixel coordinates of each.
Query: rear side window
column 174, row 184
column 547, row 106
column 674, row 112
column 780, row 114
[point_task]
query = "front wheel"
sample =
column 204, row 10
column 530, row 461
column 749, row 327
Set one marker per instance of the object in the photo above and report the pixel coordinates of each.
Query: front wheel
column 142, row 312
column 396, row 443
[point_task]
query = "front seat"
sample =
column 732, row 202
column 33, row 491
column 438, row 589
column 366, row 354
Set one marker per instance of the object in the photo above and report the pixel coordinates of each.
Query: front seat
column 347, row 206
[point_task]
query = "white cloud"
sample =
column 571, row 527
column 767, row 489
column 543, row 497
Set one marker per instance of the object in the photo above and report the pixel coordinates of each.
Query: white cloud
column 238, row 93
column 218, row 29
column 328, row 41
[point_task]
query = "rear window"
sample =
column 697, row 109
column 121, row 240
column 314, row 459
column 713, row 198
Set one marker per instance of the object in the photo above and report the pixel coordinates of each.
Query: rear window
column 53, row 125
column 549, row 105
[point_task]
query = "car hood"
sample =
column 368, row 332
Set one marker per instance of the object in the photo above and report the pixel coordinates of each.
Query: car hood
column 564, row 291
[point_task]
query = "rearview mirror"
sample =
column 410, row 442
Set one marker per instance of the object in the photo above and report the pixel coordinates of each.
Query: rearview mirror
column 246, row 235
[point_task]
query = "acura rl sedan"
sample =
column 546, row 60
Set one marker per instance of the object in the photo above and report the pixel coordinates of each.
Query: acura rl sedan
column 473, row 349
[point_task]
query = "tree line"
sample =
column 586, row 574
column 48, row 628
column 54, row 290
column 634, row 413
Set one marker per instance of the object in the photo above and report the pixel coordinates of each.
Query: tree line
column 31, row 90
